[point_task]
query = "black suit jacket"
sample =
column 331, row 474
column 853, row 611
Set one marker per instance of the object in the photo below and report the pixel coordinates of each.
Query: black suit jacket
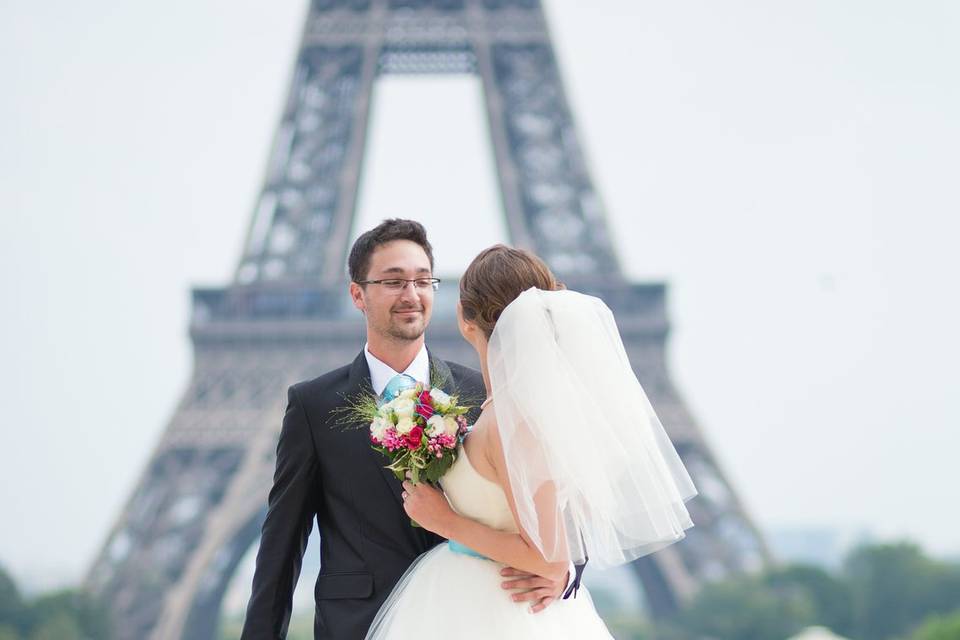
column 328, row 471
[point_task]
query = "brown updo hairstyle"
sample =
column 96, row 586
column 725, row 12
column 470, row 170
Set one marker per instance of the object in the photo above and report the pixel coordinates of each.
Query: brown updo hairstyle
column 495, row 278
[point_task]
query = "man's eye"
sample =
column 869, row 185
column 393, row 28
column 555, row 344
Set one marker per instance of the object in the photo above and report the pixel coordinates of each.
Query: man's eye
column 424, row 283
column 393, row 284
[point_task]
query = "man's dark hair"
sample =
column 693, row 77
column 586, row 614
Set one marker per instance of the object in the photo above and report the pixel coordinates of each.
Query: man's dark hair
column 387, row 231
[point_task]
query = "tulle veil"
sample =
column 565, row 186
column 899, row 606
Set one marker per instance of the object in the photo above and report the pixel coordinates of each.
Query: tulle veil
column 591, row 469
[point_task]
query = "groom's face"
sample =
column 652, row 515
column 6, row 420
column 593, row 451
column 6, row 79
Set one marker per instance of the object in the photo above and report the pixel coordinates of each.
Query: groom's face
column 398, row 315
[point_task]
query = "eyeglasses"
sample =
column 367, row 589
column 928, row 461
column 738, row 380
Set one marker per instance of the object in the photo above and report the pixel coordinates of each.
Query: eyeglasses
column 399, row 284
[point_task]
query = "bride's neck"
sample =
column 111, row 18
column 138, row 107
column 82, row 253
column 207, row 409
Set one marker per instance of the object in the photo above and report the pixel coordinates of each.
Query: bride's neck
column 482, row 352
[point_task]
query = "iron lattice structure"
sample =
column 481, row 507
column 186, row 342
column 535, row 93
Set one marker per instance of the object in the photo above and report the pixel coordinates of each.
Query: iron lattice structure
column 286, row 316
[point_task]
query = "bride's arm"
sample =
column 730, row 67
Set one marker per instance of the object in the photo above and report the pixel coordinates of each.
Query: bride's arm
column 430, row 509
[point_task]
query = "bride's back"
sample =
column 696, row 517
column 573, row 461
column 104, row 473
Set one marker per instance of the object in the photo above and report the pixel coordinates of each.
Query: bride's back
column 471, row 484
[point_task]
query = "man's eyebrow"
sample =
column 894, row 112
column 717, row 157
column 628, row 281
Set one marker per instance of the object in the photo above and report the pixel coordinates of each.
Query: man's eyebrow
column 402, row 270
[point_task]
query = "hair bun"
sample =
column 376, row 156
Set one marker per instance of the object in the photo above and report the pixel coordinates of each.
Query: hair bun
column 496, row 277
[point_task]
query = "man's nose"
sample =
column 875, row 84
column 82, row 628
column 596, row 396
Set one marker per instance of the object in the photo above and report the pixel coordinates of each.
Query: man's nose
column 409, row 292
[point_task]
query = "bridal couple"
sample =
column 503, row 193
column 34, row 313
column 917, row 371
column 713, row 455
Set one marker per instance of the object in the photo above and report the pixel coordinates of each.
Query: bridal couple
column 565, row 462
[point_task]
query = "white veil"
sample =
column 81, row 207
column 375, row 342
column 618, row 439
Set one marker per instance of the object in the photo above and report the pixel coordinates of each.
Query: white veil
column 591, row 469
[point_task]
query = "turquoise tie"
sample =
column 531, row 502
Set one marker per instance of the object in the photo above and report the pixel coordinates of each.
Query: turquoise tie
column 397, row 385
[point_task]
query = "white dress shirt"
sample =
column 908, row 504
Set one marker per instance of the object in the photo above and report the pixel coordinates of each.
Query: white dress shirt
column 381, row 373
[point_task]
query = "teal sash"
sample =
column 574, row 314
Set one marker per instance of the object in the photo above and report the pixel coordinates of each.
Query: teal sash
column 456, row 547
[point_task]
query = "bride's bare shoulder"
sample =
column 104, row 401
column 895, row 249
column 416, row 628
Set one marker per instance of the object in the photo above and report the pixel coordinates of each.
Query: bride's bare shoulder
column 485, row 443
column 486, row 424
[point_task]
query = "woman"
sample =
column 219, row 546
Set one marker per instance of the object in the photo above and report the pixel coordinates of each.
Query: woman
column 566, row 462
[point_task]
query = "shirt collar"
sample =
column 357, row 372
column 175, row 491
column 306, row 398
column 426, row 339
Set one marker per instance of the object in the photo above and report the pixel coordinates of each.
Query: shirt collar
column 381, row 373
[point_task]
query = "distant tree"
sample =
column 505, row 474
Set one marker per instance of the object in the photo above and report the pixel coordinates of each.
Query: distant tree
column 11, row 604
column 89, row 618
column 623, row 624
column 627, row 626
column 945, row 627
column 11, row 607
column 61, row 626
column 943, row 587
column 61, row 615
column 895, row 586
column 831, row 597
column 744, row 608
column 884, row 592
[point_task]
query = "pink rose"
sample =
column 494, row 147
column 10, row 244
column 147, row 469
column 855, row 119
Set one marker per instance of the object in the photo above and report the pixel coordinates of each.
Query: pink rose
column 425, row 408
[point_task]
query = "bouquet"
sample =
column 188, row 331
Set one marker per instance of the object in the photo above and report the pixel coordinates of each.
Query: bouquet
column 418, row 431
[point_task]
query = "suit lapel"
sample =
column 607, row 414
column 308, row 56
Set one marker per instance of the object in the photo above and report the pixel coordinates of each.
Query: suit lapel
column 440, row 375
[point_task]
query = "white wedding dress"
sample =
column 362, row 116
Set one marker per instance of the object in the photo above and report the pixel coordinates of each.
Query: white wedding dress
column 447, row 594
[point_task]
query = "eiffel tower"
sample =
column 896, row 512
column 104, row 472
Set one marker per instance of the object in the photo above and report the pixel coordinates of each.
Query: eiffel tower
column 286, row 316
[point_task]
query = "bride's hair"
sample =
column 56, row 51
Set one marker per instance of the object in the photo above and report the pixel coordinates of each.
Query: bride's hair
column 495, row 278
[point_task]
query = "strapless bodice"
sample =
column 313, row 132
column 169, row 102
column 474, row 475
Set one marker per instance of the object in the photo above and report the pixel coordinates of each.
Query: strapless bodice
column 473, row 496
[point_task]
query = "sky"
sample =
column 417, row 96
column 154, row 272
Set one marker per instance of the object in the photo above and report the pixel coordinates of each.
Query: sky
column 789, row 169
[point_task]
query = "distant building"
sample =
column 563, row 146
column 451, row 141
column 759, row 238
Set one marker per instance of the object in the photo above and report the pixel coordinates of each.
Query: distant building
column 820, row 546
column 817, row 633
column 816, row 546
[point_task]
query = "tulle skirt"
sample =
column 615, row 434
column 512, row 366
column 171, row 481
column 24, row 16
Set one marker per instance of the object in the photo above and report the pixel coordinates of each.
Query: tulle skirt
column 445, row 595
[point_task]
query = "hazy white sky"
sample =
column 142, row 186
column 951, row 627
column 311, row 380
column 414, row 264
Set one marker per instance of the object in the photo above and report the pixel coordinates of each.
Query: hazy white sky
column 789, row 168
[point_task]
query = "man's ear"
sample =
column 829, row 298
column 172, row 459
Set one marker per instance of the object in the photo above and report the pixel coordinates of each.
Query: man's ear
column 356, row 294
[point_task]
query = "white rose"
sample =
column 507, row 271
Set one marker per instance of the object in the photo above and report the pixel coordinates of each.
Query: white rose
column 435, row 425
column 404, row 407
column 441, row 401
column 451, row 425
column 409, row 394
column 378, row 428
column 404, row 426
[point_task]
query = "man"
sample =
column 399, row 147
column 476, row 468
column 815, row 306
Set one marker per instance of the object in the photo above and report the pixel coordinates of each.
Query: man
column 328, row 471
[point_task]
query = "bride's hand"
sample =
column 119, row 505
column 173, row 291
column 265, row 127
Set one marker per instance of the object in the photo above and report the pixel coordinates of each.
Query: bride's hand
column 426, row 506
